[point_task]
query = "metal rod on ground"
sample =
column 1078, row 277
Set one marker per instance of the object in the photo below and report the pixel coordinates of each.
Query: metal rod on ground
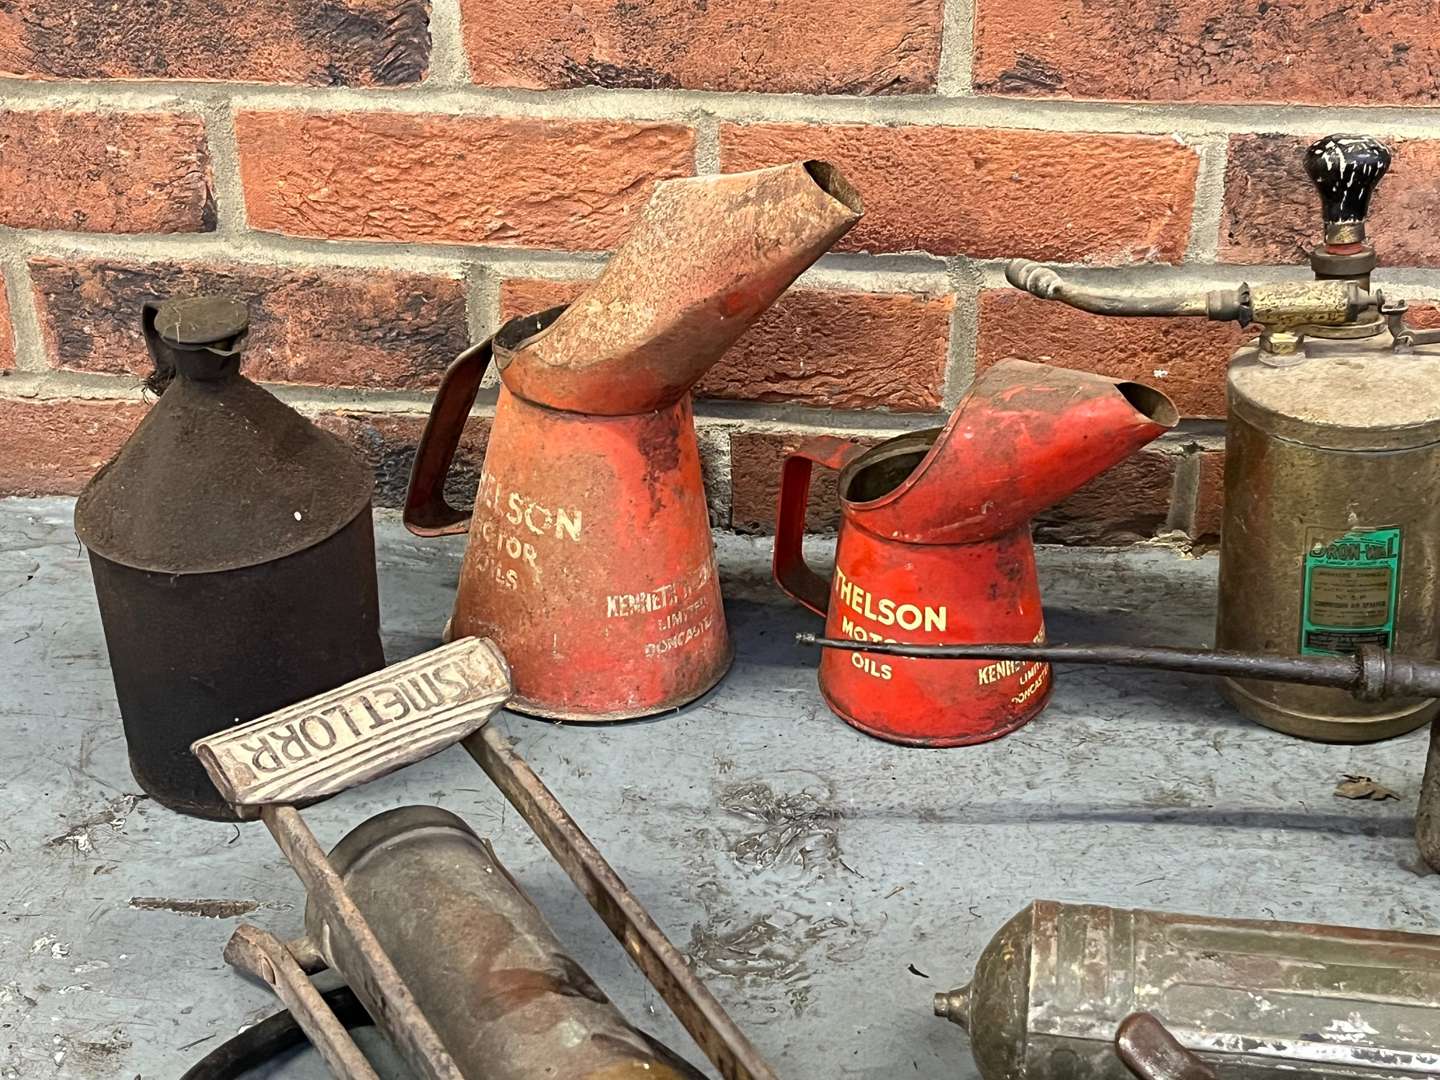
column 717, row 1035
column 1370, row 674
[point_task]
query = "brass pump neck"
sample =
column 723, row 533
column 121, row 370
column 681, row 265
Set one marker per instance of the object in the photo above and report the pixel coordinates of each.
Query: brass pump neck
column 1339, row 303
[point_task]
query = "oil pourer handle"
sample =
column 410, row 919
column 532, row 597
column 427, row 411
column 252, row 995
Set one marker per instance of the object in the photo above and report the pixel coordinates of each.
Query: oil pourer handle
column 1345, row 170
column 427, row 513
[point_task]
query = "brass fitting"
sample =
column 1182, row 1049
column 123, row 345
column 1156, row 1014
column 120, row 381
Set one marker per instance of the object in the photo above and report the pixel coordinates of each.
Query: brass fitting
column 1285, row 311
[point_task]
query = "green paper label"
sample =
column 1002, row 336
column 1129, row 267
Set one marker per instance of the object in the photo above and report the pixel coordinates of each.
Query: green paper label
column 1352, row 589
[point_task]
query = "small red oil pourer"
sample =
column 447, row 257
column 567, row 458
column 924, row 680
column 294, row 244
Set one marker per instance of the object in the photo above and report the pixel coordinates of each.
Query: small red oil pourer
column 935, row 545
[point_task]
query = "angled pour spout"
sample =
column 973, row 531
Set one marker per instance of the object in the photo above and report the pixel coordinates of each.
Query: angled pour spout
column 590, row 559
column 708, row 256
column 1024, row 437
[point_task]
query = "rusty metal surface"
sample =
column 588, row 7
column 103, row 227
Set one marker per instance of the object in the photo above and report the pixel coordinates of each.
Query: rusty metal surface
column 260, row 954
column 1371, row 674
column 1427, row 816
column 935, row 545
column 491, row 977
column 1253, row 999
column 590, row 560
column 645, row 943
column 708, row 256
column 220, row 474
column 341, row 927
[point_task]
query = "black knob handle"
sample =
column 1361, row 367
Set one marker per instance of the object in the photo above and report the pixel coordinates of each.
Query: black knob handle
column 1345, row 170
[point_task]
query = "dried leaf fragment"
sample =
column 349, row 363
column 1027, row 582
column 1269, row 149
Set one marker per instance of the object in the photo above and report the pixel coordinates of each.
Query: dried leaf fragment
column 1363, row 787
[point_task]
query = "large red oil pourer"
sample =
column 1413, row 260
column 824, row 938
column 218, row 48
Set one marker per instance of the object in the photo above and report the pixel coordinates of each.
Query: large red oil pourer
column 935, row 546
column 590, row 561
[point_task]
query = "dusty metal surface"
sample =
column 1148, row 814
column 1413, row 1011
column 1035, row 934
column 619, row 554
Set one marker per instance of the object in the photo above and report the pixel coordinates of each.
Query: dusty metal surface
column 1254, row 999
column 589, row 560
column 803, row 867
column 1345, row 550
column 935, row 546
column 498, row 986
column 232, row 554
column 374, row 978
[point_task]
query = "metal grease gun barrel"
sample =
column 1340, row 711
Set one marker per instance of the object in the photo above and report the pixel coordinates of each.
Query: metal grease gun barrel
column 483, row 966
column 1255, row 1000
column 1371, row 673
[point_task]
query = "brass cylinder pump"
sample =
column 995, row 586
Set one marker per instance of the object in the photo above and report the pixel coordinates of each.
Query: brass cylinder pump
column 1331, row 531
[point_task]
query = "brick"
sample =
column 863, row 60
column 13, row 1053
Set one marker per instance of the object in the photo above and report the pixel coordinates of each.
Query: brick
column 754, row 46
column 388, row 441
column 328, row 327
column 1124, row 504
column 105, row 172
column 1315, row 51
column 831, row 349
column 7, row 332
column 54, row 447
column 337, row 43
column 1209, row 496
column 755, row 461
column 996, row 193
column 515, row 182
column 1186, row 358
column 1301, row 51
column 1272, row 214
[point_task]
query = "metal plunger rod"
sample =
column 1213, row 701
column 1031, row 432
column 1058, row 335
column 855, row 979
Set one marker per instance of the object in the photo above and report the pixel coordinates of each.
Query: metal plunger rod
column 1370, row 674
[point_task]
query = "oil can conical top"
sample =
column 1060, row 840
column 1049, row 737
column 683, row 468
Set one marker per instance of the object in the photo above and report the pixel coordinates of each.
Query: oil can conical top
column 220, row 474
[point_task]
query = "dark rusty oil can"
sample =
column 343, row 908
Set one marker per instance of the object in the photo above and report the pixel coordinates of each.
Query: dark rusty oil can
column 233, row 555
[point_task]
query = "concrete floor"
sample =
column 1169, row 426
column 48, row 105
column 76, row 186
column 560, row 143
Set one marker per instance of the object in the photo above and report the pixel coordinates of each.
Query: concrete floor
column 824, row 884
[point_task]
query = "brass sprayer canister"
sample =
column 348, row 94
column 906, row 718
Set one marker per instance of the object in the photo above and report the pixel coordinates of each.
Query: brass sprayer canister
column 1331, row 531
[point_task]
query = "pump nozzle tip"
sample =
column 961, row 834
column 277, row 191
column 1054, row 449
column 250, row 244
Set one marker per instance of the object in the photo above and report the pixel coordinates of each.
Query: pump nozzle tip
column 955, row 1006
column 806, row 639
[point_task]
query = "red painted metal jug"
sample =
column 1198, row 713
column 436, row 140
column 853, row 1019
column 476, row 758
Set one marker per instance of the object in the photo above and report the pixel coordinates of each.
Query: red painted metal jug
column 935, row 546
column 590, row 561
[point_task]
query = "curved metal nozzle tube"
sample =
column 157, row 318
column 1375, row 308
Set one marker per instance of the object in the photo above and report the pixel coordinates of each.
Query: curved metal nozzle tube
column 1044, row 282
column 1276, row 306
column 1371, row 674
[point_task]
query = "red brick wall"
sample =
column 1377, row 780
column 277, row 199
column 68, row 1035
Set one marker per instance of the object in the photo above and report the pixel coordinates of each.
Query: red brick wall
column 387, row 178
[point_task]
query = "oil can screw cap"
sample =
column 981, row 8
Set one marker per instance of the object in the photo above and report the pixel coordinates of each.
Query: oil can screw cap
column 200, row 337
column 201, row 320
